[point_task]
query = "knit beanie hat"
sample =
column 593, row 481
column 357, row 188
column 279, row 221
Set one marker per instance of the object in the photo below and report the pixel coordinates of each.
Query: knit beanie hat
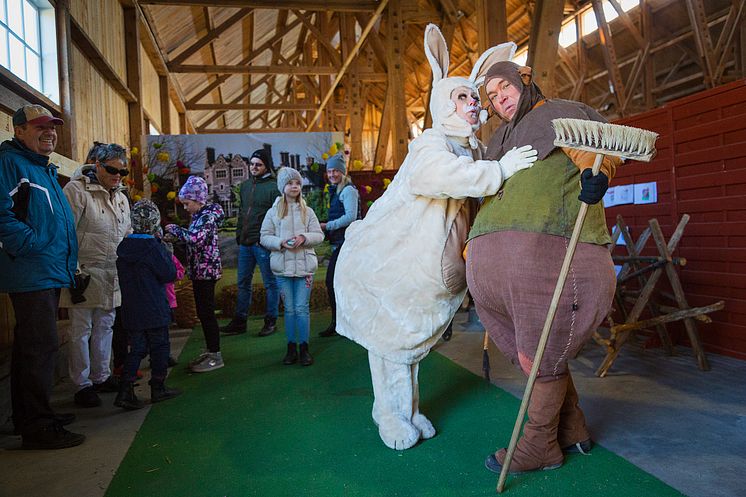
column 146, row 219
column 337, row 162
column 263, row 156
column 285, row 175
column 195, row 189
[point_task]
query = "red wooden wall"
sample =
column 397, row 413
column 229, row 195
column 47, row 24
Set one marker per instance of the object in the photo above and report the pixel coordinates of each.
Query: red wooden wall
column 700, row 170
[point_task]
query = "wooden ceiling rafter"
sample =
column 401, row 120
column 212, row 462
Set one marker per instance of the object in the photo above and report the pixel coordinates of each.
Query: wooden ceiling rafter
column 212, row 35
column 331, row 5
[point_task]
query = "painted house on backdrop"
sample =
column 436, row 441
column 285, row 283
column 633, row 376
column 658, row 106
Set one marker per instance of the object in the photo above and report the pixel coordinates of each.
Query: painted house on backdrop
column 222, row 173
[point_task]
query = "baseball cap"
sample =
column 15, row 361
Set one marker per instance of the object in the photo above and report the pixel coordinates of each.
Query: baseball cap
column 34, row 114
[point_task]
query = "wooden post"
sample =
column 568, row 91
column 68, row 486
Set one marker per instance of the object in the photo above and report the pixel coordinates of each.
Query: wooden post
column 68, row 140
column 396, row 40
column 165, row 107
column 493, row 30
column 543, row 43
column 134, row 82
column 182, row 123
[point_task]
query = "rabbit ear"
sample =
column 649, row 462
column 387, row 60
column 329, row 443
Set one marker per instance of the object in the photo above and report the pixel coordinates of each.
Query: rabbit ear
column 436, row 52
column 503, row 51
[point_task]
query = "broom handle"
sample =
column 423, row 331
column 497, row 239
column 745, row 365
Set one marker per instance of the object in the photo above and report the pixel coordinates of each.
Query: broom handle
column 545, row 332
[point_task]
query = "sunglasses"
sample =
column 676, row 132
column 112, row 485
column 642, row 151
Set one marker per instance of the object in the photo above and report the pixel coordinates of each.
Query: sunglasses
column 113, row 170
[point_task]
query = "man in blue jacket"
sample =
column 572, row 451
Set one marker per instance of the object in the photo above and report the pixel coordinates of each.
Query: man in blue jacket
column 38, row 256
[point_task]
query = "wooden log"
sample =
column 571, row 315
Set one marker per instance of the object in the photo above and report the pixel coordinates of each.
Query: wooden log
column 668, row 318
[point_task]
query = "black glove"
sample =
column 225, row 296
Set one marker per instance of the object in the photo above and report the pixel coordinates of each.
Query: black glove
column 81, row 283
column 592, row 188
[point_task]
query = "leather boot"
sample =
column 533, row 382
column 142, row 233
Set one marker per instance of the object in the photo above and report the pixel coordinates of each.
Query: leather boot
column 572, row 434
column 126, row 398
column 330, row 331
column 268, row 328
column 537, row 448
column 291, row 357
column 305, row 357
column 237, row 326
column 159, row 391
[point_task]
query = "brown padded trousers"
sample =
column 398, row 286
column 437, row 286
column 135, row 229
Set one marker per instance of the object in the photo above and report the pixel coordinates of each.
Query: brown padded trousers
column 512, row 275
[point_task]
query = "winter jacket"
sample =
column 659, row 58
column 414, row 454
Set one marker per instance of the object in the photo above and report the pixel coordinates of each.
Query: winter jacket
column 38, row 247
column 102, row 220
column 145, row 267
column 400, row 276
column 257, row 197
column 291, row 263
column 202, row 242
column 343, row 210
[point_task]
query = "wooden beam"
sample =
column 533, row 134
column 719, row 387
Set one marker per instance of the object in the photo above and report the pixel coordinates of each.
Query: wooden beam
column 249, row 69
column 492, row 22
column 322, row 39
column 134, row 82
column 67, row 139
column 732, row 25
column 97, row 60
column 543, row 43
column 152, row 48
column 165, row 107
column 702, row 40
column 646, row 23
column 260, row 129
column 349, row 59
column 182, row 123
column 211, row 36
column 396, row 45
column 609, row 53
column 320, row 5
column 384, row 132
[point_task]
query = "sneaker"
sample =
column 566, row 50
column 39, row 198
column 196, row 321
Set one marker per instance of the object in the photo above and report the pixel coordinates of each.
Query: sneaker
column 53, row 436
column 111, row 384
column 211, row 362
column 160, row 392
column 198, row 359
column 87, row 397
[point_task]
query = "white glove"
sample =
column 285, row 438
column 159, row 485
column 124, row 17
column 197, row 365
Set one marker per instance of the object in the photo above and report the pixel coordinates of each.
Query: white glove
column 516, row 159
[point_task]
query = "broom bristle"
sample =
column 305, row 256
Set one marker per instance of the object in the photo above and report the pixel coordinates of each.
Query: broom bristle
column 605, row 138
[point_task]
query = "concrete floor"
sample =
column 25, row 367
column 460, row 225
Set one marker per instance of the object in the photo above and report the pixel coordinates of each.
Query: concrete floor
column 684, row 426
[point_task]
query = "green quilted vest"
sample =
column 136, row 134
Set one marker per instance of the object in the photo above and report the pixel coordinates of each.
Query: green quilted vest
column 542, row 199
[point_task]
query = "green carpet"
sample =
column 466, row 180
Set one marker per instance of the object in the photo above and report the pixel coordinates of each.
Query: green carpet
column 258, row 428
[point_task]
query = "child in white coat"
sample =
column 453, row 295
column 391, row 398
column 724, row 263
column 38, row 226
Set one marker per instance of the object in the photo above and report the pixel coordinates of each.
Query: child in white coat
column 290, row 230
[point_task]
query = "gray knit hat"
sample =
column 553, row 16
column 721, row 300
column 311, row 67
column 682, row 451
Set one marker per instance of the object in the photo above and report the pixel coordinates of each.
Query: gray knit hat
column 284, row 175
column 337, row 162
column 146, row 219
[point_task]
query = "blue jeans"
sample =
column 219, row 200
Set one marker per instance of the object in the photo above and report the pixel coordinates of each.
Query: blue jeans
column 153, row 341
column 248, row 258
column 295, row 294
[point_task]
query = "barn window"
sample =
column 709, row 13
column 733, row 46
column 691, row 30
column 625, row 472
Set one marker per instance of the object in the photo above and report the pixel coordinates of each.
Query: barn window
column 27, row 44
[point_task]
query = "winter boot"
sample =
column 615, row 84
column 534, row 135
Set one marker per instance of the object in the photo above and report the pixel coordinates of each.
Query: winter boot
column 159, row 391
column 305, row 357
column 572, row 434
column 330, row 331
column 237, row 326
column 268, row 328
column 537, row 448
column 292, row 354
column 126, row 398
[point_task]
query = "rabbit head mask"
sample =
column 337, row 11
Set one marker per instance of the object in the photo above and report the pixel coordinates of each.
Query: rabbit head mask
column 442, row 107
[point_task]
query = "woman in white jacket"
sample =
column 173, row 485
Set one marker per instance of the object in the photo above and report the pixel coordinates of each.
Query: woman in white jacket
column 290, row 230
column 401, row 276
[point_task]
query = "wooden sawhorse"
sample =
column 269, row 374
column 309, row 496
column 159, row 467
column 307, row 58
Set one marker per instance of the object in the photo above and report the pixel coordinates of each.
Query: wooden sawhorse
column 647, row 271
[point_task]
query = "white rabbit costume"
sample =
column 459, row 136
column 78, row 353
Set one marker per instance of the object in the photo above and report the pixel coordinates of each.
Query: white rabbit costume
column 400, row 276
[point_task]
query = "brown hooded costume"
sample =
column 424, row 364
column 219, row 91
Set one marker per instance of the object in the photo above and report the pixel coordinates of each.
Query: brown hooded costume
column 515, row 253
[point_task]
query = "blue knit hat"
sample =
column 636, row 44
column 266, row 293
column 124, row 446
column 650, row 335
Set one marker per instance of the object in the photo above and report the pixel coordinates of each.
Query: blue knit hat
column 195, row 189
column 337, row 162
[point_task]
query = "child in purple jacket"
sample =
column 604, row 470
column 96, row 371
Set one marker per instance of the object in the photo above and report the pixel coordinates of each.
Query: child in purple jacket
column 203, row 265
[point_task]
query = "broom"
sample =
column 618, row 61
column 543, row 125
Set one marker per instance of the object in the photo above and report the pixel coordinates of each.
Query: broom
column 602, row 139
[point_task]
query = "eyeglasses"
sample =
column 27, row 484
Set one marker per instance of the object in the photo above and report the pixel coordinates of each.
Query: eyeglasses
column 113, row 170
